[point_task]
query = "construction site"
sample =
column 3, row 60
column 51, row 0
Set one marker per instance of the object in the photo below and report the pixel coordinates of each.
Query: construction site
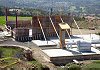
column 55, row 32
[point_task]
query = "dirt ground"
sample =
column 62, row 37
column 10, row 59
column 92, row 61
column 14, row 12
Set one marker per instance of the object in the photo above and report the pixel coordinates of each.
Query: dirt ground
column 84, row 31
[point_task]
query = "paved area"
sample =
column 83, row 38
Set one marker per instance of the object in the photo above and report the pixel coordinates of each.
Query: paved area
column 42, row 43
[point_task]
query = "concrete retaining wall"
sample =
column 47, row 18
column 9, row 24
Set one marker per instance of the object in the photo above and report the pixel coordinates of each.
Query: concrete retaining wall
column 67, row 59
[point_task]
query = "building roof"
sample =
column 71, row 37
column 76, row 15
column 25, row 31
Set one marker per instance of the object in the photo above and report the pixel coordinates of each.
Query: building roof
column 64, row 26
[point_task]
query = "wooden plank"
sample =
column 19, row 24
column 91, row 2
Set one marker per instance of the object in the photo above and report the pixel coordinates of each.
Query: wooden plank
column 64, row 26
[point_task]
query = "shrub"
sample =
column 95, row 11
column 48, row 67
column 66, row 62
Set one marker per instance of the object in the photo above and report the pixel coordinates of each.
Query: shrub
column 1, row 52
column 73, row 67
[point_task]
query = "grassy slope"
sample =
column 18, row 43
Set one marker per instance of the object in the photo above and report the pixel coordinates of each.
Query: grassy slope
column 88, row 65
column 2, row 19
column 82, row 24
column 94, row 64
column 9, row 52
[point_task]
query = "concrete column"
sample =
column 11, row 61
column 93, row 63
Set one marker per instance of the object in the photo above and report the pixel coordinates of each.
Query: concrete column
column 62, row 39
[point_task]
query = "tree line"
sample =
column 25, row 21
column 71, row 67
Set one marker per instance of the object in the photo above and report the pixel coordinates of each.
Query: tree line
column 24, row 12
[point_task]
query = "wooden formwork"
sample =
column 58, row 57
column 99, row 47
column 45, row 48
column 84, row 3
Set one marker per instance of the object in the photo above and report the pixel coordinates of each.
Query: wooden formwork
column 21, row 23
column 45, row 22
column 21, row 32
column 47, row 25
column 35, row 22
column 24, row 23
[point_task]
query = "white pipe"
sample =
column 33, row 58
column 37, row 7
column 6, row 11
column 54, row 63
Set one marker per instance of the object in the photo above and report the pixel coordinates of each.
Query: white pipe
column 41, row 29
column 54, row 27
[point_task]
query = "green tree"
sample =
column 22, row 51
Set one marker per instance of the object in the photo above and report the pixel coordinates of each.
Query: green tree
column 1, row 53
column 1, row 11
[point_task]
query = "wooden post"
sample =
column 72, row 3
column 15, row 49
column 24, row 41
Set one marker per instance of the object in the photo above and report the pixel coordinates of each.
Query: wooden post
column 6, row 14
column 63, row 28
column 62, row 38
column 16, row 18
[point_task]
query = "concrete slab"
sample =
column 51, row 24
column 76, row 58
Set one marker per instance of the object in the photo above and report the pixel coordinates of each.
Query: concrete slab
column 71, row 52
column 61, row 56
column 92, row 38
column 96, row 45
column 42, row 43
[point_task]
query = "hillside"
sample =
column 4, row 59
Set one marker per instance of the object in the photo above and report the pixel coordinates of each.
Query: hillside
column 84, row 6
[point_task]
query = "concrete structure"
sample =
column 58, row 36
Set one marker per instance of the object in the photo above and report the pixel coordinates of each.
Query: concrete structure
column 22, row 34
column 82, row 50
column 41, row 26
column 19, row 29
column 44, row 27
column 84, row 46
column 47, row 26
column 63, row 28
column 70, row 43
column 62, row 56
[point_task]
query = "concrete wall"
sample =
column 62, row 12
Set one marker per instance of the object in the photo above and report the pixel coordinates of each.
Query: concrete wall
column 47, row 25
column 67, row 59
